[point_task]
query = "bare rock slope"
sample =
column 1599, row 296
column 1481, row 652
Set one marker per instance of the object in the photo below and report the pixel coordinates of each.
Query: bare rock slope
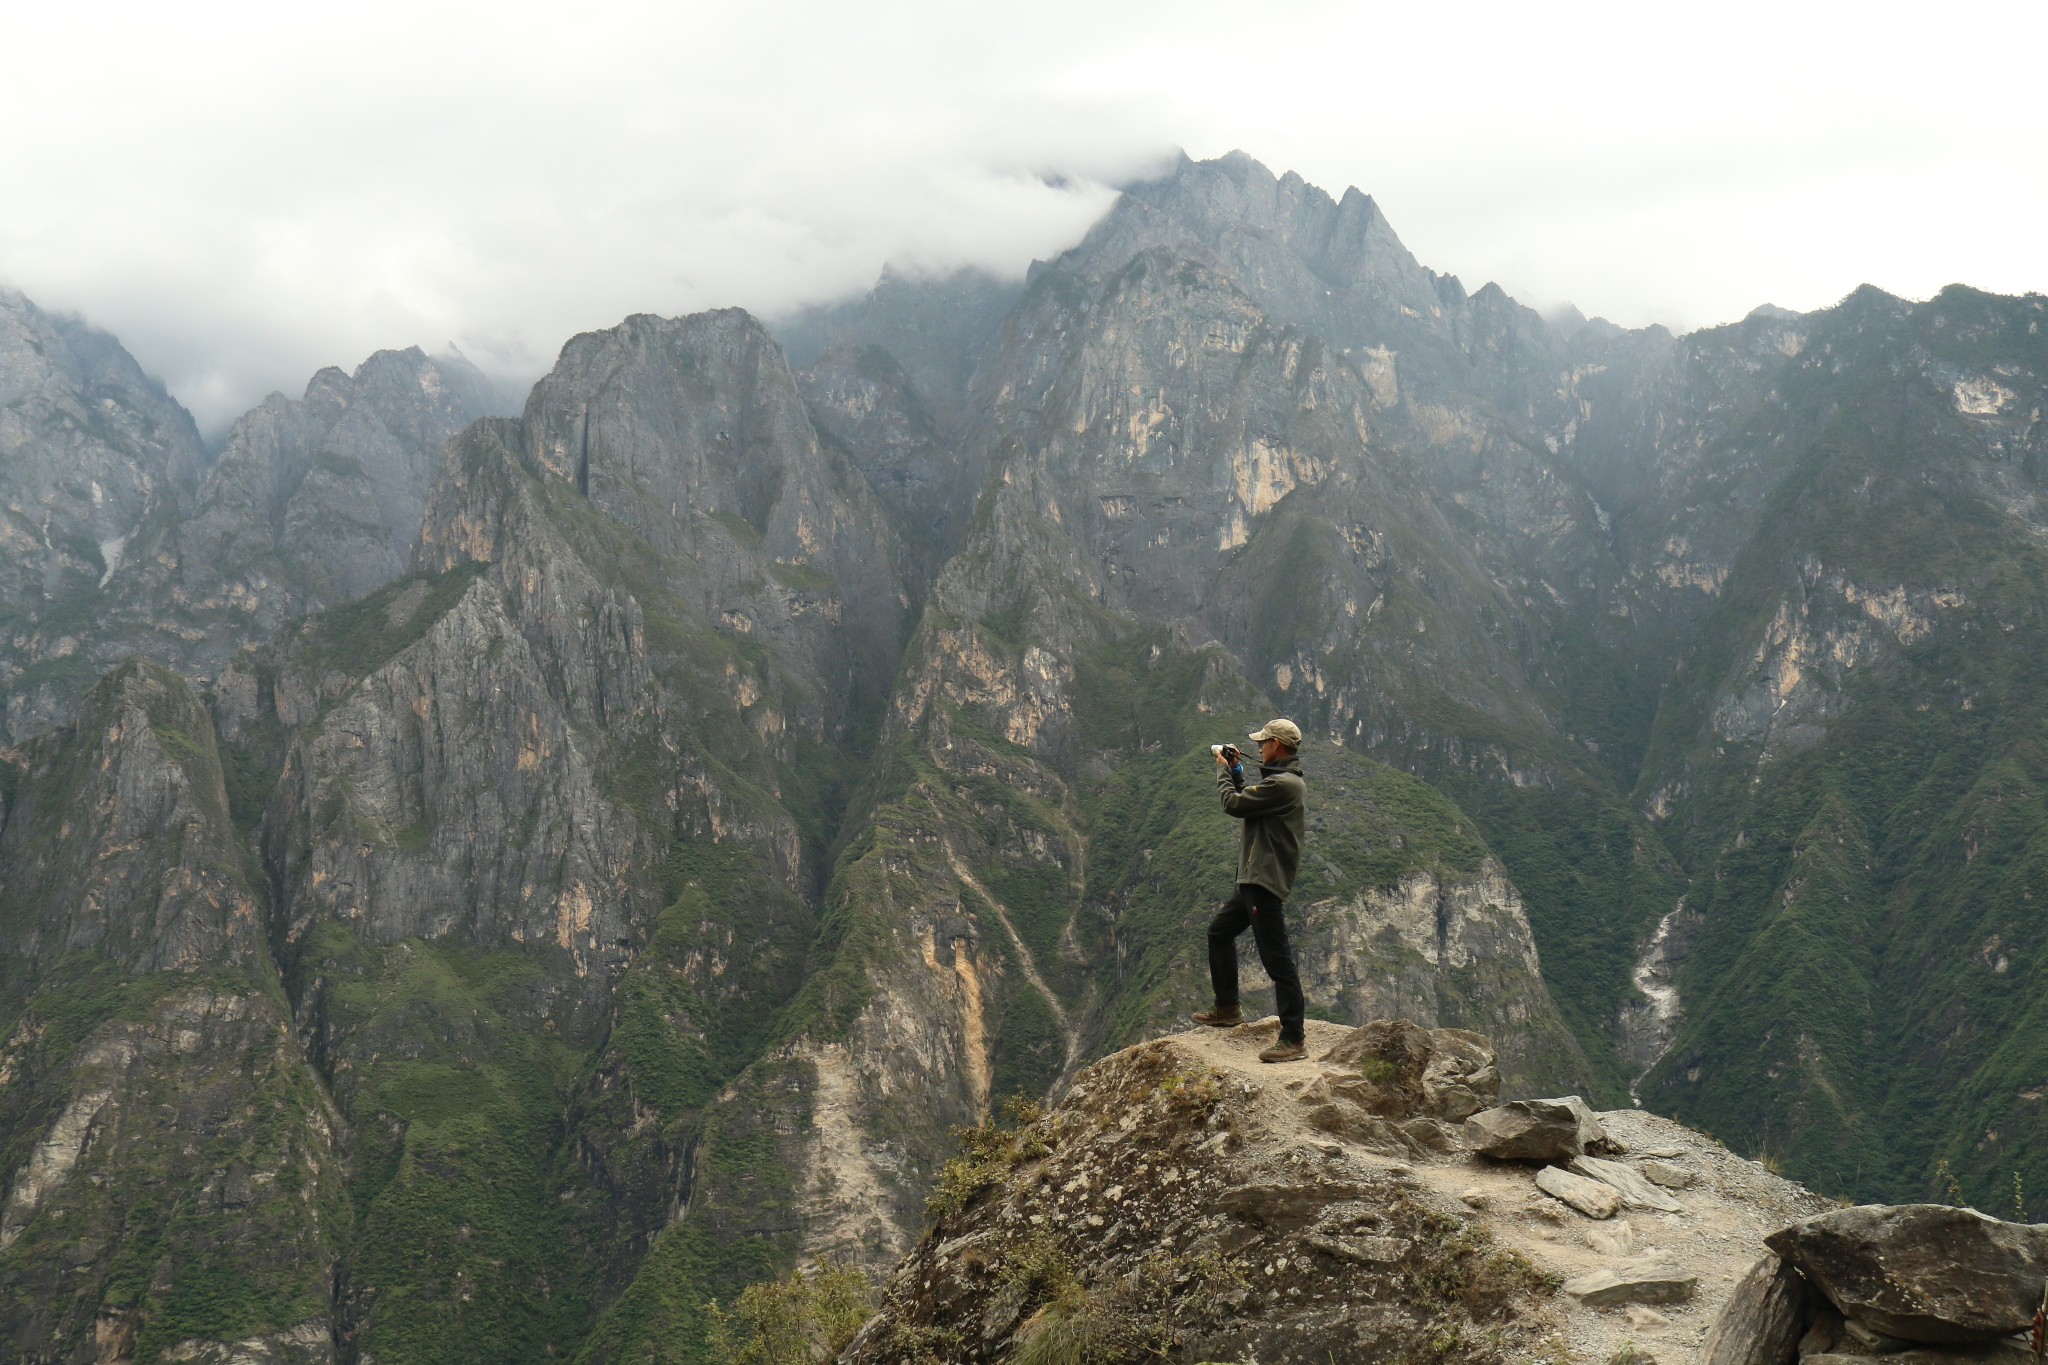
column 1187, row 1201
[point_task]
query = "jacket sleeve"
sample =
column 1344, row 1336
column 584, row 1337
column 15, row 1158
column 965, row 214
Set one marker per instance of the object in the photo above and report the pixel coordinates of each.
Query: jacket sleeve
column 1259, row 799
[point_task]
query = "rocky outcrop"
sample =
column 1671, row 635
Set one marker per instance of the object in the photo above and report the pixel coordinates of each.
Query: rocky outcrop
column 1162, row 1207
column 1923, row 1272
column 1146, row 1209
column 1447, row 1074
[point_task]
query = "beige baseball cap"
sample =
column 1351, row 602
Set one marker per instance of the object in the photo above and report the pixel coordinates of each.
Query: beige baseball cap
column 1286, row 731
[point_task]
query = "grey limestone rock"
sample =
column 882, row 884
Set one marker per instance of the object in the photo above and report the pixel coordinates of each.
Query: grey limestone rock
column 1923, row 1272
column 1647, row 1280
column 156, row 1094
column 118, row 844
column 1763, row 1320
column 1533, row 1130
column 1637, row 1192
column 91, row 450
column 1593, row 1198
column 315, row 501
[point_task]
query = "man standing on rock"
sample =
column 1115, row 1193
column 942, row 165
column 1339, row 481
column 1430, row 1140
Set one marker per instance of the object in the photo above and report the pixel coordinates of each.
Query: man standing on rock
column 1273, row 810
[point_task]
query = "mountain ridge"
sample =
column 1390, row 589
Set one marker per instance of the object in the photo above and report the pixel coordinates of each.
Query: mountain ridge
column 754, row 773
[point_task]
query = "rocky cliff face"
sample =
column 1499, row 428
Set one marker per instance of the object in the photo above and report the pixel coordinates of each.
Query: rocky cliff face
column 314, row 502
column 90, row 448
column 177, row 1177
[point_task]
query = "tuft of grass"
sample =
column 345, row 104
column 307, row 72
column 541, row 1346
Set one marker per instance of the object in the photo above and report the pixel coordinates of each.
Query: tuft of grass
column 988, row 1153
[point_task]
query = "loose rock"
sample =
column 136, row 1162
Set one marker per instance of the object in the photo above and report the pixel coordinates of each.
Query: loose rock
column 1589, row 1197
column 1644, row 1281
column 1534, row 1130
column 1614, row 1239
column 1992, row 1353
column 1636, row 1192
column 1923, row 1272
column 1669, row 1176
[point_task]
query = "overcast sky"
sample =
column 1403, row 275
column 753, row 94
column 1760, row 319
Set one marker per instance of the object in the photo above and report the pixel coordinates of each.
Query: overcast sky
column 245, row 192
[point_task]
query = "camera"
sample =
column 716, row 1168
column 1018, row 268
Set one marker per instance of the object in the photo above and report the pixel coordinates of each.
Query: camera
column 1227, row 751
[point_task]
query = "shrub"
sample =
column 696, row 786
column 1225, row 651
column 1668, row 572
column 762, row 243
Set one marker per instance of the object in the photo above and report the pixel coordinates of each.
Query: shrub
column 807, row 1317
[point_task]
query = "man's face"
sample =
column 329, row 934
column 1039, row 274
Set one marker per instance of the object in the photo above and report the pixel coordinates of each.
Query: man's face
column 1271, row 750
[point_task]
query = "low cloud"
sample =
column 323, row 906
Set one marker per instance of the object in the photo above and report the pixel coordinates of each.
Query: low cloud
column 244, row 193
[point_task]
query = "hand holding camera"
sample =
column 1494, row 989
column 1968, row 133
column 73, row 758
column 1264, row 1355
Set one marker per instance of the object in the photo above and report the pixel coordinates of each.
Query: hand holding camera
column 1226, row 754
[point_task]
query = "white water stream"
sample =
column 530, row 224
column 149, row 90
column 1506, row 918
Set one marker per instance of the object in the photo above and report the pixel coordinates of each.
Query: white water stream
column 1648, row 1028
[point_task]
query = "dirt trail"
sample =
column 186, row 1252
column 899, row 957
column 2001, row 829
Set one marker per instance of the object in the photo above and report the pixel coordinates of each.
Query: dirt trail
column 1728, row 1211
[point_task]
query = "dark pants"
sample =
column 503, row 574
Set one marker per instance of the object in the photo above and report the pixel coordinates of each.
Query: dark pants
column 1257, row 909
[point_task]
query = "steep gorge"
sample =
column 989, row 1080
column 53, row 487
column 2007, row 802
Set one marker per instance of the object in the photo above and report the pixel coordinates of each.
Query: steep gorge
column 750, row 776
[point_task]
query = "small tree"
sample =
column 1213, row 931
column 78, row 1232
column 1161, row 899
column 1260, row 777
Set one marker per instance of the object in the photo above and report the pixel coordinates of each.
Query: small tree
column 807, row 1318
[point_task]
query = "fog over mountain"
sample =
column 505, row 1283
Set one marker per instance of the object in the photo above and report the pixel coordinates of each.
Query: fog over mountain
column 245, row 195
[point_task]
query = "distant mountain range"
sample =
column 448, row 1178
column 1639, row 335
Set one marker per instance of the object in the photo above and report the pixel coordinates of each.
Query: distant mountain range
column 476, row 887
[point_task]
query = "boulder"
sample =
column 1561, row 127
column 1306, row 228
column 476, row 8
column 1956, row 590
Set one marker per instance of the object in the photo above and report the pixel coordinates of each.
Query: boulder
column 1669, row 1176
column 1658, row 1280
column 1631, row 1354
column 1923, row 1272
column 1762, row 1322
column 1636, row 1192
column 1534, row 1130
column 1405, row 1070
column 1589, row 1197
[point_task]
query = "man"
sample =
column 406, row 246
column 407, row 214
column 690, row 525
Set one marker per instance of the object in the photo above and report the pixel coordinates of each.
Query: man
column 1273, row 811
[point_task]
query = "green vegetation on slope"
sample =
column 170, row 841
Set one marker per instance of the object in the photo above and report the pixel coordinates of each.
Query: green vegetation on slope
column 462, row 1245
column 1862, row 988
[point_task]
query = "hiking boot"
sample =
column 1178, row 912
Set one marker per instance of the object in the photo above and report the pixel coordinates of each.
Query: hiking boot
column 1223, row 1016
column 1284, row 1051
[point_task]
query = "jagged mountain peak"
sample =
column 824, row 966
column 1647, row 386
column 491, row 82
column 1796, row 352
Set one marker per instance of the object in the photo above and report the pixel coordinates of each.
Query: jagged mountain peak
column 1237, row 211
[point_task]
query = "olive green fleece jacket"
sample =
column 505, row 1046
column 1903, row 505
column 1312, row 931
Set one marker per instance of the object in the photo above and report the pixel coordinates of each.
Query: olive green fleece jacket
column 1275, row 811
